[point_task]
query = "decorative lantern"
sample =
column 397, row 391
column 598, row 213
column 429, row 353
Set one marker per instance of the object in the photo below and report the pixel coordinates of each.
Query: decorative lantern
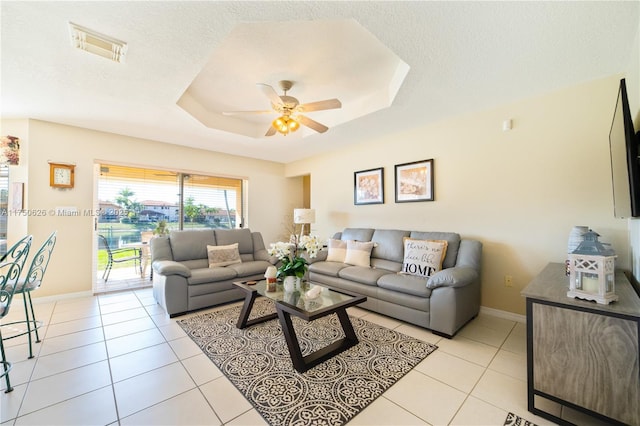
column 592, row 271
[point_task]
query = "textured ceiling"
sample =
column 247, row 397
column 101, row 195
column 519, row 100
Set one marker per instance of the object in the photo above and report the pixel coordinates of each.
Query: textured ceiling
column 463, row 57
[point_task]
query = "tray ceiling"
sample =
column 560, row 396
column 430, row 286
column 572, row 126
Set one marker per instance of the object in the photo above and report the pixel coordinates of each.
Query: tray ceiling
column 462, row 57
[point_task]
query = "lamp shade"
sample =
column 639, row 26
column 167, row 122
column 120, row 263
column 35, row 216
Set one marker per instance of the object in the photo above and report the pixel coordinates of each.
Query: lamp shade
column 304, row 216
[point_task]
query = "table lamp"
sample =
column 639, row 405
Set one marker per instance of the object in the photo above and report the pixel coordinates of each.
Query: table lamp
column 302, row 217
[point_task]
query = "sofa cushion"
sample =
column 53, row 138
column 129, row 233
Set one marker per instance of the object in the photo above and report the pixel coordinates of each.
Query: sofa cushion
column 363, row 275
column 223, row 255
column 208, row 275
column 196, row 263
column 336, row 250
column 252, row 267
column 423, row 258
column 327, row 268
column 243, row 237
column 389, row 244
column 453, row 244
column 386, row 264
column 358, row 253
column 408, row 284
column 191, row 244
column 357, row 234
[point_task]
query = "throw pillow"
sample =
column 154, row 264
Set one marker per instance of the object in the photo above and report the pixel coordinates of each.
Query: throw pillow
column 337, row 250
column 423, row 258
column 359, row 253
column 223, row 255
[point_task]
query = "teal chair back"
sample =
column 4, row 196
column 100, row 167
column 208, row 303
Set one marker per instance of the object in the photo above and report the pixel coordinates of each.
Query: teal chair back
column 19, row 252
column 33, row 279
column 9, row 274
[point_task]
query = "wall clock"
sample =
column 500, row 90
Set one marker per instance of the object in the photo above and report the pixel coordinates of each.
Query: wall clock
column 61, row 175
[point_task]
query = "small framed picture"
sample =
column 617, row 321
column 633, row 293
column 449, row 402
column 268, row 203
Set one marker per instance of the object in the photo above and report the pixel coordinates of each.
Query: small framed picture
column 414, row 181
column 369, row 186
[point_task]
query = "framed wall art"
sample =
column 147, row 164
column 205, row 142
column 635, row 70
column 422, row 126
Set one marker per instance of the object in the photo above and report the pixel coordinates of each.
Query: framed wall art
column 414, row 181
column 369, row 186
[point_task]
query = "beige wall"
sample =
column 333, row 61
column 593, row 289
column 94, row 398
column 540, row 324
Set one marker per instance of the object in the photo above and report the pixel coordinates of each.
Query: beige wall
column 270, row 196
column 519, row 192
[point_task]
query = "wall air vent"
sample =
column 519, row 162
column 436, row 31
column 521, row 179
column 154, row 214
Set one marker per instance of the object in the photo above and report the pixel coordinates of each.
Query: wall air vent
column 96, row 43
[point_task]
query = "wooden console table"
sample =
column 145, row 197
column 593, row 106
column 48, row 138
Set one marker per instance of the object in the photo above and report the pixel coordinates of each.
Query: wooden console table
column 581, row 354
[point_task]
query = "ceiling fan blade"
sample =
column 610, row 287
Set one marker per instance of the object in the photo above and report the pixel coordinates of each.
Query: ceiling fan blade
column 312, row 124
column 320, row 105
column 246, row 112
column 271, row 131
column 270, row 93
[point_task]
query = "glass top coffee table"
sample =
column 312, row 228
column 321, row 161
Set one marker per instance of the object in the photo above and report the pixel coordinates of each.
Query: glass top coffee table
column 297, row 303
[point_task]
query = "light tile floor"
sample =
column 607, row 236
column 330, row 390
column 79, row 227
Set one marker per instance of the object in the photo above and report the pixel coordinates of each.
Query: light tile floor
column 118, row 359
column 123, row 278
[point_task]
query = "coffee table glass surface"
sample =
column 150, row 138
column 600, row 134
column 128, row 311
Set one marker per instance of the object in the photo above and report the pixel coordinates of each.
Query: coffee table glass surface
column 302, row 305
column 298, row 298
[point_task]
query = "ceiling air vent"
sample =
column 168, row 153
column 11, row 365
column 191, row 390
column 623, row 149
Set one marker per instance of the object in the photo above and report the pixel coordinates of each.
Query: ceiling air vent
column 96, row 43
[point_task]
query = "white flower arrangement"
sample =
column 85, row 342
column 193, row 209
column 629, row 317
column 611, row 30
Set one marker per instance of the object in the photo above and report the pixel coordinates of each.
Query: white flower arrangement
column 292, row 263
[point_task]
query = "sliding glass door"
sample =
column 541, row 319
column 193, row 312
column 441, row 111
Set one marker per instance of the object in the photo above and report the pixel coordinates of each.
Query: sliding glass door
column 136, row 201
column 210, row 201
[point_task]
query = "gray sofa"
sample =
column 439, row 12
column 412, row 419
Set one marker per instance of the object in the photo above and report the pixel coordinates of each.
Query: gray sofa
column 182, row 278
column 442, row 303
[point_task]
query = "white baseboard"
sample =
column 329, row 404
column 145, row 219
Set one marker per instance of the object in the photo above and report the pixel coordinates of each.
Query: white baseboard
column 503, row 314
column 57, row 297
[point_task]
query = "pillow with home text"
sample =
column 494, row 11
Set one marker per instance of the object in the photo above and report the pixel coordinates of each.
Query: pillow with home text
column 423, row 258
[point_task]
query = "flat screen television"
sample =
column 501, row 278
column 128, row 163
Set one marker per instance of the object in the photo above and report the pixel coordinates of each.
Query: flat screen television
column 625, row 168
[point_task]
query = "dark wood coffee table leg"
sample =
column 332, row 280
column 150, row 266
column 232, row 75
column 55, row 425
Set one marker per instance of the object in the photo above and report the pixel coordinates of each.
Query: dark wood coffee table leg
column 347, row 327
column 243, row 320
column 292, row 340
column 303, row 364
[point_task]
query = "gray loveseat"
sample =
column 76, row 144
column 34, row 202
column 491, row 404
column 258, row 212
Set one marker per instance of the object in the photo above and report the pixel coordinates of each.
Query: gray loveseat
column 442, row 303
column 182, row 278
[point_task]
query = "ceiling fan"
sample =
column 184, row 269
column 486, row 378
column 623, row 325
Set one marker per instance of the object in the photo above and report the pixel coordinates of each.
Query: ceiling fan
column 290, row 110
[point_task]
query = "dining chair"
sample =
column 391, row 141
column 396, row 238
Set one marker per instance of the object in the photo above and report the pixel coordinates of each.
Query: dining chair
column 9, row 275
column 18, row 252
column 32, row 281
column 114, row 256
column 145, row 237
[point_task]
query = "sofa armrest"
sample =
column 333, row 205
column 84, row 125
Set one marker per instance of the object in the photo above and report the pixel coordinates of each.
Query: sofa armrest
column 170, row 267
column 259, row 250
column 458, row 276
column 264, row 255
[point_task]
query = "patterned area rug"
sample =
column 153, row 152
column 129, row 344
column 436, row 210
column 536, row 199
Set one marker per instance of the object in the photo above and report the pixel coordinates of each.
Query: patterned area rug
column 256, row 360
column 515, row 420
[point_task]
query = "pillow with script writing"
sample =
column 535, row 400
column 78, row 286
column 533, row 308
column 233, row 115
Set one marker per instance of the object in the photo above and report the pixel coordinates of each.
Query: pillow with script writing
column 423, row 258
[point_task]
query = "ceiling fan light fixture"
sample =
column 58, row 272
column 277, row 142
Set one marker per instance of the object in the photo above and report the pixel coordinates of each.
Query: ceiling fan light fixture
column 285, row 124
